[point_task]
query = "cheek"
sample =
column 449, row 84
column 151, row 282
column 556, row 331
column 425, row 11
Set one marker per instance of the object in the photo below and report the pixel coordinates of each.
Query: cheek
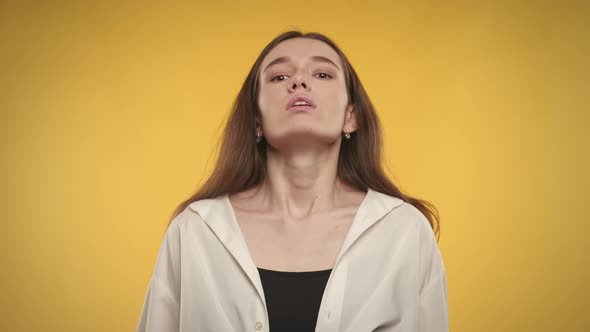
column 336, row 101
column 336, row 92
column 267, row 99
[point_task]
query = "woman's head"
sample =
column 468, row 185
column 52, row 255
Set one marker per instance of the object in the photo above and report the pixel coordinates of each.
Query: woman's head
column 341, row 105
column 308, row 64
column 302, row 68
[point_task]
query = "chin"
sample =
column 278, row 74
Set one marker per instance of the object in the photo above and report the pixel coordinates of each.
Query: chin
column 303, row 138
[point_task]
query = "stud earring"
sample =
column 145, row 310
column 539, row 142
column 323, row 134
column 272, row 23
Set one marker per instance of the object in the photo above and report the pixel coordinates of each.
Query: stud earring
column 258, row 139
column 347, row 135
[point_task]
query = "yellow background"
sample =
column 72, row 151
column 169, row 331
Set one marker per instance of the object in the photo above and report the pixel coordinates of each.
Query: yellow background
column 110, row 112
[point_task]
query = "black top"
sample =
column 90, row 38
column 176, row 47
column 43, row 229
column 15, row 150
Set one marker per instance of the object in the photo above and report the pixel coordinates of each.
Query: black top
column 293, row 298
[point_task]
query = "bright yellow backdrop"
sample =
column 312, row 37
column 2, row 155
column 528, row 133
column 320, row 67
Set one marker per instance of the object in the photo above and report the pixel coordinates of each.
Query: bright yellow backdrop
column 110, row 111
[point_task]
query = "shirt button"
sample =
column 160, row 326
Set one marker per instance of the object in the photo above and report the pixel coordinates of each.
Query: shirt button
column 258, row 325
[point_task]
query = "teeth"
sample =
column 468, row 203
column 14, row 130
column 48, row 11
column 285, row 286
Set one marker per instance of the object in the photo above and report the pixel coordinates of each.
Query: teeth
column 298, row 103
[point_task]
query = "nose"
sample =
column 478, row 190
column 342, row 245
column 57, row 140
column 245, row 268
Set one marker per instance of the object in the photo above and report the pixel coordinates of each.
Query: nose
column 298, row 81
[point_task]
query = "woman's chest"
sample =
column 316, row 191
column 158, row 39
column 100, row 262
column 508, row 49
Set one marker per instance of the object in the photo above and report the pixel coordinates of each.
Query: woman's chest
column 286, row 246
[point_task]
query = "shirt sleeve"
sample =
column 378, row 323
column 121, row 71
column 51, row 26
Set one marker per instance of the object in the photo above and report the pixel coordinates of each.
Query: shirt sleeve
column 161, row 307
column 433, row 312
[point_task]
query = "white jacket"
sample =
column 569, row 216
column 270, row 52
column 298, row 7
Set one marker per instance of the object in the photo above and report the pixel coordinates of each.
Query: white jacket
column 388, row 276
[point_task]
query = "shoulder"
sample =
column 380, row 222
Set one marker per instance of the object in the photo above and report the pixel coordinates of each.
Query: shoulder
column 410, row 212
column 418, row 227
column 403, row 213
column 411, row 223
column 196, row 211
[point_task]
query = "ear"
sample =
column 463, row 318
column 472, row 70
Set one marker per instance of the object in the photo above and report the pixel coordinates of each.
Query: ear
column 350, row 119
column 258, row 128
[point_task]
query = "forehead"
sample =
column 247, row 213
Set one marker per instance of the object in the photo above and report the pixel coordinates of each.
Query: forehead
column 300, row 49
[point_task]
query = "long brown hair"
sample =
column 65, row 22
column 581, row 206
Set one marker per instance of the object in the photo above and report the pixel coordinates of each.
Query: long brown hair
column 242, row 162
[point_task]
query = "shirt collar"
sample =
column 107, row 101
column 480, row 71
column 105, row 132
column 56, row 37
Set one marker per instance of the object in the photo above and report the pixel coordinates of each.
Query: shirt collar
column 219, row 215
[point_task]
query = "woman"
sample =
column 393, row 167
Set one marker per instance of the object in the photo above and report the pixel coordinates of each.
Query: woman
column 298, row 228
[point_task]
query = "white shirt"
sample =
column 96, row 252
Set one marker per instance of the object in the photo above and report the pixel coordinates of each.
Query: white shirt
column 388, row 275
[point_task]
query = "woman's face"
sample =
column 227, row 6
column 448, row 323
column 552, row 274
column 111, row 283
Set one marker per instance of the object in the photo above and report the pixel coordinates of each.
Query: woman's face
column 310, row 68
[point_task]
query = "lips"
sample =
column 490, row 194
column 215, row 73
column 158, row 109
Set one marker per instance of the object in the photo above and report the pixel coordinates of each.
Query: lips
column 300, row 103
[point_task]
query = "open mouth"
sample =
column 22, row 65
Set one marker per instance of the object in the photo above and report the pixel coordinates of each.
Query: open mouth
column 300, row 103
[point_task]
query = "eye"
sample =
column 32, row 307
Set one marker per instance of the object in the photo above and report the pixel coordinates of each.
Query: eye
column 278, row 76
column 324, row 75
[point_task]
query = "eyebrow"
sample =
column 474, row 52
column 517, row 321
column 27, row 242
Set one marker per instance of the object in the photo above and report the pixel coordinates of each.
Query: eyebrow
column 315, row 58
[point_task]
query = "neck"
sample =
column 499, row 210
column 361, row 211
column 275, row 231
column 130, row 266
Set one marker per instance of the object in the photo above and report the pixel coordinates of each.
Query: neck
column 301, row 184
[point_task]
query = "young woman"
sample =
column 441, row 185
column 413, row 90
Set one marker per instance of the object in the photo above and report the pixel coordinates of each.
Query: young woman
column 298, row 228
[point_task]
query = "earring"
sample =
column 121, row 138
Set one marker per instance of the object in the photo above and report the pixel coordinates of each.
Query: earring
column 347, row 135
column 258, row 139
